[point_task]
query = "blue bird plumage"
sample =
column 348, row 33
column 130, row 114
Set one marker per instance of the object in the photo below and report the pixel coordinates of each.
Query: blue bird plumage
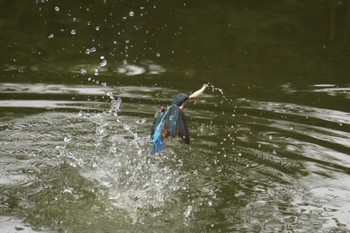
column 170, row 122
column 180, row 99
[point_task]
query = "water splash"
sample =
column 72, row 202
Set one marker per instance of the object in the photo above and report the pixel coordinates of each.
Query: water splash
column 223, row 97
column 115, row 105
column 134, row 181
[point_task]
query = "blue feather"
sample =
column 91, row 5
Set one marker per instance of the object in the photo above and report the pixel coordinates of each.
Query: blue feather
column 174, row 122
column 158, row 142
column 158, row 145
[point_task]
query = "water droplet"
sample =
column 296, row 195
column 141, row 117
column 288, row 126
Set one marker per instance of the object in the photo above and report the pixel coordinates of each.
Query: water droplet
column 103, row 63
column 73, row 32
column 141, row 121
column 188, row 211
column 67, row 139
column 110, row 94
column 131, row 13
column 97, row 28
column 51, row 36
column 57, row 8
column 83, row 71
column 87, row 51
column 93, row 49
column 115, row 105
column 102, row 57
column 81, row 113
column 158, row 54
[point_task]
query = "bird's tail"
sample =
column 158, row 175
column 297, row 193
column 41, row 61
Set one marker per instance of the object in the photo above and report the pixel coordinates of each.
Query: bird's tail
column 158, row 144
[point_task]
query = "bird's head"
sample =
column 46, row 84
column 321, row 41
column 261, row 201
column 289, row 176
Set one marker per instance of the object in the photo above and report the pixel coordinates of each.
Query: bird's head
column 180, row 99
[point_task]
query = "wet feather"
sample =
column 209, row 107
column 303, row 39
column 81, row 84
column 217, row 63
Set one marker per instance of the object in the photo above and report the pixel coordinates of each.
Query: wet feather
column 171, row 122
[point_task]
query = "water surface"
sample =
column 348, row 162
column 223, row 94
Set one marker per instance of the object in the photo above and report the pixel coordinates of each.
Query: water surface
column 80, row 84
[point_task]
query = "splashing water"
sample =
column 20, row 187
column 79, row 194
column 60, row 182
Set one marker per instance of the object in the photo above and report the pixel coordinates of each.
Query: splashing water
column 134, row 181
column 223, row 97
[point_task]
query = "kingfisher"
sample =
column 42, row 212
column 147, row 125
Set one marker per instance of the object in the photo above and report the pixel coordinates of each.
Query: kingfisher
column 172, row 121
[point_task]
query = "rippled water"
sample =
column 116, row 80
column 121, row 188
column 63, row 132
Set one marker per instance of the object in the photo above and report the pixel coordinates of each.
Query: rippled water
column 270, row 137
column 252, row 165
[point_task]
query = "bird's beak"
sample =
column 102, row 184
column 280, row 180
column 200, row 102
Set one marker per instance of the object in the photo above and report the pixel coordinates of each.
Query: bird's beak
column 183, row 105
column 199, row 92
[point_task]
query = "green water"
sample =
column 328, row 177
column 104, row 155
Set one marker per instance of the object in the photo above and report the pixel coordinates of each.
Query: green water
column 81, row 81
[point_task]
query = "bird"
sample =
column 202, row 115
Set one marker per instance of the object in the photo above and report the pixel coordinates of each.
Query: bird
column 171, row 121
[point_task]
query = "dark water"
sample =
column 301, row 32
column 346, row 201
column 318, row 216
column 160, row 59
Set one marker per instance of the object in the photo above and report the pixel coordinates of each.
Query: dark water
column 81, row 81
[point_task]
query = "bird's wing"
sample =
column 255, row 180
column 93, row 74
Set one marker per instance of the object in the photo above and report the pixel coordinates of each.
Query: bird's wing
column 175, row 123
column 158, row 130
column 157, row 119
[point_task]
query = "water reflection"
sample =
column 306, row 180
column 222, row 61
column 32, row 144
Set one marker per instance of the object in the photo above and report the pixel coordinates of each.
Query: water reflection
column 292, row 110
column 332, row 90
